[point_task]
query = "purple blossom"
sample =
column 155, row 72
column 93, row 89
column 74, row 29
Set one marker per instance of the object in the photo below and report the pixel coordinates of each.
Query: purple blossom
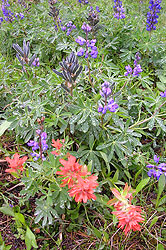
column 163, row 94
column 156, row 170
column 112, row 106
column 44, row 136
column 80, row 40
column 36, row 62
column 129, row 70
column 97, row 9
column 118, row 10
column 94, row 53
column 85, row 27
column 80, row 52
column 109, row 104
column 137, row 70
column 154, row 6
column 156, row 159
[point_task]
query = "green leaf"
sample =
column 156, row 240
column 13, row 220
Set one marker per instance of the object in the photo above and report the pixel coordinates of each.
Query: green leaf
column 155, row 219
column 141, row 185
column 161, row 186
column 160, row 247
column 30, row 240
column 7, row 210
column 4, row 126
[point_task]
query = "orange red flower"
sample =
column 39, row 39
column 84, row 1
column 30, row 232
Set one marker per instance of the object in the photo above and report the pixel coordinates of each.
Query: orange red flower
column 129, row 216
column 57, row 144
column 16, row 163
column 80, row 182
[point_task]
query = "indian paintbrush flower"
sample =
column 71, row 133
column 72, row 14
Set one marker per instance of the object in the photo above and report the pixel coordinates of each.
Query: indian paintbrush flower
column 16, row 163
column 80, row 182
column 129, row 215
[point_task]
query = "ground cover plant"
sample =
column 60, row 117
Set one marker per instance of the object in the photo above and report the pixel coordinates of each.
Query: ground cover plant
column 83, row 124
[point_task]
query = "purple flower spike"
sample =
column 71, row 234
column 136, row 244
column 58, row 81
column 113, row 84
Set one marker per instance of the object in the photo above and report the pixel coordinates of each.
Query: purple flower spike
column 80, row 40
column 80, row 52
column 94, row 53
column 137, row 70
column 44, row 136
column 85, row 27
column 100, row 108
column 36, row 62
column 163, row 94
column 156, row 159
column 129, row 70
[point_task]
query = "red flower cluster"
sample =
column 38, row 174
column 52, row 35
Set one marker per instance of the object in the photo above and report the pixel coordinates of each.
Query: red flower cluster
column 56, row 144
column 129, row 216
column 76, row 177
column 16, row 163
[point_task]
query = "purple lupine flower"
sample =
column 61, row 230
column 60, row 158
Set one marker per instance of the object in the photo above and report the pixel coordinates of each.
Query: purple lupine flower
column 137, row 70
column 118, row 10
column 97, row 9
column 1, row 20
column 44, row 145
column 100, row 108
column 36, row 62
column 156, row 170
column 152, row 14
column 109, row 104
column 80, row 52
column 137, row 59
column 105, row 90
column 33, row 144
column 163, row 94
column 44, row 136
column 85, row 27
column 80, row 40
column 112, row 106
column 129, row 70
column 63, row 28
column 156, row 159
column 21, row 15
column 94, row 53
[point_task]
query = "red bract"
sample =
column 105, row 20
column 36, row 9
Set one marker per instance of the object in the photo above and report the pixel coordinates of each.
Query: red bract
column 129, row 218
column 128, row 215
column 56, row 144
column 71, row 171
column 16, row 163
column 83, row 190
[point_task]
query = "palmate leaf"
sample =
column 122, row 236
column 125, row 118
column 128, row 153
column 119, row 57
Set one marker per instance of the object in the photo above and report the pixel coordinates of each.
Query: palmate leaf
column 45, row 212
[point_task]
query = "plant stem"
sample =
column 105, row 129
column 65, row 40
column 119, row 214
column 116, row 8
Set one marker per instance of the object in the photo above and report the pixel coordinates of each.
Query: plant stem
column 148, row 119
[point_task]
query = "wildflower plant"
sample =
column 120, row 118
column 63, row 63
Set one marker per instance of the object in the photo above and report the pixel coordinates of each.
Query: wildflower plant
column 93, row 18
column 16, row 164
column 23, row 55
column 129, row 216
column 137, row 67
column 70, row 71
column 158, row 169
column 109, row 103
column 41, row 144
column 152, row 15
column 8, row 15
column 119, row 11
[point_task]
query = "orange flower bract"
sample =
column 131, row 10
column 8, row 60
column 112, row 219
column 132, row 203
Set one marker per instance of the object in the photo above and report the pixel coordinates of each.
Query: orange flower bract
column 16, row 163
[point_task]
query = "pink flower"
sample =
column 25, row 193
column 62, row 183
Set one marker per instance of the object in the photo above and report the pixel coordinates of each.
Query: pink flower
column 83, row 190
column 71, row 170
column 16, row 163
column 129, row 218
column 56, row 144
